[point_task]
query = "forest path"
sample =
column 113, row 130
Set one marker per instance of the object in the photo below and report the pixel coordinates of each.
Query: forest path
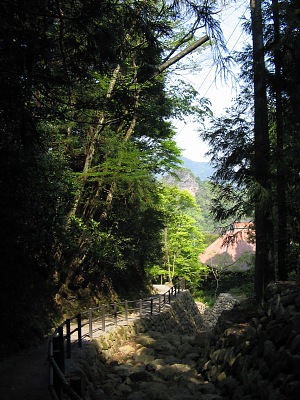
column 24, row 375
column 161, row 289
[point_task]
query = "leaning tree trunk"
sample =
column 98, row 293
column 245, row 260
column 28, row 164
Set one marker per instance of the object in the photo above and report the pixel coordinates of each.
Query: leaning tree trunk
column 94, row 135
column 264, row 271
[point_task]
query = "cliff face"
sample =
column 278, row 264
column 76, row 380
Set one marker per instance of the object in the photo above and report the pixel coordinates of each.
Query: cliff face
column 185, row 180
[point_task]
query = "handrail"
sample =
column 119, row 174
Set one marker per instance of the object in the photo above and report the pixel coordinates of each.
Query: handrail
column 89, row 322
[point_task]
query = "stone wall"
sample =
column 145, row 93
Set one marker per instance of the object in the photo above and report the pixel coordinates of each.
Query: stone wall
column 211, row 315
column 238, row 354
column 181, row 318
column 257, row 355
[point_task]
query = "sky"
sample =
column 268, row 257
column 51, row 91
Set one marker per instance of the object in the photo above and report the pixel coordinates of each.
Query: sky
column 219, row 93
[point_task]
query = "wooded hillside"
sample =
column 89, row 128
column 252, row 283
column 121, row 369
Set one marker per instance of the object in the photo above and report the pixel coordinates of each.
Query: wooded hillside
column 86, row 101
column 84, row 118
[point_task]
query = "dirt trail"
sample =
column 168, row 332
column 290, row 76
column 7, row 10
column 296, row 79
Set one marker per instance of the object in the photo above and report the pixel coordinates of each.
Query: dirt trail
column 24, row 376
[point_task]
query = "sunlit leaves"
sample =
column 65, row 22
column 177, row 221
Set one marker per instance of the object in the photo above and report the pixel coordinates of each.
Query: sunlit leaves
column 182, row 237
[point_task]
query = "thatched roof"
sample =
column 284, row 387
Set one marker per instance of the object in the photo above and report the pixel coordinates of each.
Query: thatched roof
column 232, row 248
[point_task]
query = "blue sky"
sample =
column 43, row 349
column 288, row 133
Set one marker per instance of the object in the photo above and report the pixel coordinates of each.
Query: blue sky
column 219, row 93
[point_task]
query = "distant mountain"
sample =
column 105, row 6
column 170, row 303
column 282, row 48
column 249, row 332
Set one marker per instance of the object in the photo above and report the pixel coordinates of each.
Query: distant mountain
column 184, row 179
column 202, row 170
column 198, row 186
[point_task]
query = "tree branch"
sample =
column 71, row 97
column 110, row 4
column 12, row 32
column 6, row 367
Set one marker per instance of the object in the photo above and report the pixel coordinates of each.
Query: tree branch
column 182, row 54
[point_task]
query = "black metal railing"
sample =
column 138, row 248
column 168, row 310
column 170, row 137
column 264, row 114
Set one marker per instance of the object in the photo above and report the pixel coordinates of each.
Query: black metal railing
column 91, row 322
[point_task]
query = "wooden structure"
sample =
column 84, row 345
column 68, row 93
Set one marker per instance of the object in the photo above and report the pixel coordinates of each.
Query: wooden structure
column 230, row 249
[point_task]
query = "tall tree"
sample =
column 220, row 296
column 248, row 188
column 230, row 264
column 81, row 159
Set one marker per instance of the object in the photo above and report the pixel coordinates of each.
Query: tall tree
column 281, row 178
column 182, row 237
column 264, row 271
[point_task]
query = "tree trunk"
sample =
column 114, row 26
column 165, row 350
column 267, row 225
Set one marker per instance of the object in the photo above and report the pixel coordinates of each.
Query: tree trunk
column 182, row 54
column 264, row 271
column 167, row 254
column 281, row 178
column 94, row 134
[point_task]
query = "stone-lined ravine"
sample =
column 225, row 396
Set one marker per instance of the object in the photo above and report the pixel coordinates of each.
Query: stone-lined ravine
column 192, row 353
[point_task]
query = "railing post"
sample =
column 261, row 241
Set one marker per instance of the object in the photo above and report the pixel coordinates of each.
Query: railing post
column 169, row 292
column 126, row 310
column 115, row 314
column 141, row 308
column 58, row 345
column 75, row 384
column 159, row 303
column 90, row 323
column 103, row 317
column 57, row 355
column 68, row 327
column 151, row 306
column 79, row 330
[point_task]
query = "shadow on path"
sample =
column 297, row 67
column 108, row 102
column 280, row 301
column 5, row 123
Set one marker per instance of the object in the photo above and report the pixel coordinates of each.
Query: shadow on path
column 24, row 376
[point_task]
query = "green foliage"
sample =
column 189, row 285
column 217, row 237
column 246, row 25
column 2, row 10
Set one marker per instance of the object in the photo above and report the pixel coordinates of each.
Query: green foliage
column 237, row 282
column 37, row 188
column 184, row 179
column 204, row 198
column 84, row 123
column 182, row 237
column 209, row 238
column 241, row 183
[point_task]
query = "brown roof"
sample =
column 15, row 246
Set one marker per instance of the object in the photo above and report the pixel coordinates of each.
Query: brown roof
column 227, row 250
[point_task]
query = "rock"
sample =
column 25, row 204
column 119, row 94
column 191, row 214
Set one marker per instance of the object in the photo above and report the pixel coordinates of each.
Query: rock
column 171, row 360
column 296, row 322
column 211, row 397
column 295, row 345
column 127, row 349
column 169, row 372
column 295, row 360
column 228, row 385
column 145, row 340
column 202, row 339
column 283, row 334
column 145, row 359
column 137, row 396
column 221, row 377
column 108, row 387
column 122, row 370
column 141, row 376
column 186, row 349
column 269, row 352
column 155, row 390
column 183, row 396
column 124, row 389
column 162, row 345
column 241, row 360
